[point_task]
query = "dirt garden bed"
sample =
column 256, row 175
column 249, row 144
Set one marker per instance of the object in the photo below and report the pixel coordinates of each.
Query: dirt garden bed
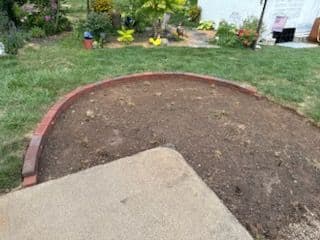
column 261, row 160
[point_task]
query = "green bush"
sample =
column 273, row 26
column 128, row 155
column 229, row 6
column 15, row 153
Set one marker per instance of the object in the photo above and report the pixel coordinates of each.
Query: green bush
column 48, row 23
column 133, row 10
column 194, row 13
column 7, row 6
column 96, row 23
column 251, row 23
column 193, row 2
column 227, row 35
column 37, row 32
column 247, row 37
column 63, row 24
column 13, row 41
column 155, row 9
column 4, row 22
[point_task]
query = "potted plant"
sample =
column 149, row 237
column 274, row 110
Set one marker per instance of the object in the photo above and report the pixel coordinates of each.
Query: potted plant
column 88, row 40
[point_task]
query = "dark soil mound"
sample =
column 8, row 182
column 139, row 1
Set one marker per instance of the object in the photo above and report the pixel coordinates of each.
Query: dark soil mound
column 260, row 159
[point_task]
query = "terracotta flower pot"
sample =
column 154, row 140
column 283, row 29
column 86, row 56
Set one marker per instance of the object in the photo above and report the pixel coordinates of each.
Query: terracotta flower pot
column 88, row 43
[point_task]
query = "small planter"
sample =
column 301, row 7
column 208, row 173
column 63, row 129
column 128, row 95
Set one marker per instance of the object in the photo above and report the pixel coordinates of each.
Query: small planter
column 88, row 43
column 88, row 40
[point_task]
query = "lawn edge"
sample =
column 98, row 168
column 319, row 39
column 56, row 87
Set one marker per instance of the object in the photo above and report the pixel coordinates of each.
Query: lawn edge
column 44, row 127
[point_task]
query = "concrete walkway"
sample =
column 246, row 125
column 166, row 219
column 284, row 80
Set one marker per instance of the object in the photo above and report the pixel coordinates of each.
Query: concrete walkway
column 152, row 195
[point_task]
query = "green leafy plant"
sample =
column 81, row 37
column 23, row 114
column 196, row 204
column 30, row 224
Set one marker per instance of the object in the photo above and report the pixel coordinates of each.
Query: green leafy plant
column 126, row 36
column 98, row 23
column 194, row 13
column 45, row 14
column 247, row 37
column 251, row 23
column 4, row 22
column 132, row 9
column 37, row 32
column 7, row 6
column 13, row 41
column 155, row 10
column 227, row 35
column 206, row 25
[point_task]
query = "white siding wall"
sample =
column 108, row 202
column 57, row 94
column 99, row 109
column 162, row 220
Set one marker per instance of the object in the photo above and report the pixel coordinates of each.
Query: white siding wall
column 301, row 13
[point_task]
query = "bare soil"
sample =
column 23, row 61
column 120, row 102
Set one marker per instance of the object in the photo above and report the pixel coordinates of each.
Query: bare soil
column 261, row 159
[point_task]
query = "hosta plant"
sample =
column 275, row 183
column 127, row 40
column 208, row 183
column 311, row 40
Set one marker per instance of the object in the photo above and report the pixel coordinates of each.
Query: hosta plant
column 126, row 36
column 206, row 25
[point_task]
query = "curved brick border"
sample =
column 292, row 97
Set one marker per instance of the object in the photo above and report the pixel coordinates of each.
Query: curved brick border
column 31, row 159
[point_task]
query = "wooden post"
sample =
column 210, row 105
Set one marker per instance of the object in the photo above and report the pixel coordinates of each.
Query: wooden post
column 57, row 14
column 254, row 45
column 88, row 6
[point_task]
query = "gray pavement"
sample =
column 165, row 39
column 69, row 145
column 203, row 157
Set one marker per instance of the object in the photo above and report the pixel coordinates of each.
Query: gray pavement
column 151, row 195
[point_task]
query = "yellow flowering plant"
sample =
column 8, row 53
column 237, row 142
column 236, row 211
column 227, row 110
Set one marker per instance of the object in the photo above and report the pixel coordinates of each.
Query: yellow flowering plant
column 155, row 41
column 102, row 5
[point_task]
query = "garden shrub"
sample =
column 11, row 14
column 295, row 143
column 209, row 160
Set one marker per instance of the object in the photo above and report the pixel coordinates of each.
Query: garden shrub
column 37, row 32
column 227, row 35
column 193, row 2
column 47, row 18
column 38, row 17
column 132, row 14
column 195, row 13
column 155, row 10
column 4, row 22
column 96, row 23
column 102, row 5
column 248, row 31
column 7, row 6
column 247, row 37
column 251, row 23
column 13, row 40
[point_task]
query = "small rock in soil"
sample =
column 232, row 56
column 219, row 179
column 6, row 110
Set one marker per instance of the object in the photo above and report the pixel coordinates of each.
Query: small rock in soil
column 85, row 142
column 102, row 152
column 90, row 114
column 242, row 126
column 277, row 154
column 218, row 154
column 246, row 143
column 147, row 83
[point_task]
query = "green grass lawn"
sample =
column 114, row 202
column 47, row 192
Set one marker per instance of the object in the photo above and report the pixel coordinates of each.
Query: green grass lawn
column 33, row 81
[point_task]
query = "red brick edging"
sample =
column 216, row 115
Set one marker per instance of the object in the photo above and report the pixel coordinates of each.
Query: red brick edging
column 32, row 155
